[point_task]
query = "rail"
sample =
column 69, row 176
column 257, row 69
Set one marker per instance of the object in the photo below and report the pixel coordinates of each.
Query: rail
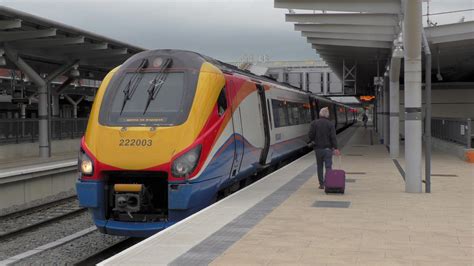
column 26, row 130
column 457, row 130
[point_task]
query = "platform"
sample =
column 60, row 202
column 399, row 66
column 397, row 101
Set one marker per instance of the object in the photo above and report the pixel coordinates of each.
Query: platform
column 28, row 182
column 285, row 219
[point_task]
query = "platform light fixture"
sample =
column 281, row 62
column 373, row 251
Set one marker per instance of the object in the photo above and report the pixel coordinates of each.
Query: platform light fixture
column 398, row 43
column 75, row 71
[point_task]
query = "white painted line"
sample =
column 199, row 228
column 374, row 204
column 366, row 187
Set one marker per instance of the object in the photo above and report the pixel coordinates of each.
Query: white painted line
column 51, row 245
column 38, row 168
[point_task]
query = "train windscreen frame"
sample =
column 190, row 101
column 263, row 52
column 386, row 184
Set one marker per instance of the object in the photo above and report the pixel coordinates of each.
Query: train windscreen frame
column 175, row 90
column 166, row 109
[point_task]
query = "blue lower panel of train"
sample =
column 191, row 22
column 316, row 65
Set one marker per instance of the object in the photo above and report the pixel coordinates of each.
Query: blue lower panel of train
column 184, row 199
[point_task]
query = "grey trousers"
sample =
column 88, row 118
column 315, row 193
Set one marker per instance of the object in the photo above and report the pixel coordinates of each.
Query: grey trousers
column 323, row 160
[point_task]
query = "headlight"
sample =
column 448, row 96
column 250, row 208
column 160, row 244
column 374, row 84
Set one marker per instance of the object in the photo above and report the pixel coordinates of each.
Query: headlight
column 185, row 164
column 86, row 166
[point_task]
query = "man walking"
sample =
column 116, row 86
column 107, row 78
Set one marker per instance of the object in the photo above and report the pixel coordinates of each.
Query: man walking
column 365, row 118
column 323, row 133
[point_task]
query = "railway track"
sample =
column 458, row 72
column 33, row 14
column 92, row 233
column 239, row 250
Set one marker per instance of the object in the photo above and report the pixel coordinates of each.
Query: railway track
column 29, row 219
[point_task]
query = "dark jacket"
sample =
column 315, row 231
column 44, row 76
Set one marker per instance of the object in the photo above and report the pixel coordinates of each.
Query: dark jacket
column 365, row 117
column 323, row 134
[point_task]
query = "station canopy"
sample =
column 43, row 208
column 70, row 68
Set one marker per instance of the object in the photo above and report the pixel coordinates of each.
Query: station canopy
column 357, row 38
column 45, row 45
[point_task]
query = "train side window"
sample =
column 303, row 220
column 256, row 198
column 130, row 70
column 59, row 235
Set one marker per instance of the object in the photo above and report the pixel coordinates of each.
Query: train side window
column 222, row 102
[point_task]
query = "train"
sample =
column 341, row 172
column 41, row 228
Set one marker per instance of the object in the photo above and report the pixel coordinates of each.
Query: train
column 171, row 131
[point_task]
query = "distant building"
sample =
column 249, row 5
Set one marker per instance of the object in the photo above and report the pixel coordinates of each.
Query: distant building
column 309, row 75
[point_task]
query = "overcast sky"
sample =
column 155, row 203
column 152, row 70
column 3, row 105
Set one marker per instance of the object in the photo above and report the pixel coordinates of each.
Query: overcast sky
column 224, row 29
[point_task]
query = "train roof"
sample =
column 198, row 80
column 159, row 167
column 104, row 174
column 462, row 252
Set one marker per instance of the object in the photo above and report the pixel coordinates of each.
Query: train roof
column 196, row 58
column 233, row 69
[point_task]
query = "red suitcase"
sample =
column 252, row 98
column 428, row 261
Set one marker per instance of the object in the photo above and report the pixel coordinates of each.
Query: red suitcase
column 335, row 181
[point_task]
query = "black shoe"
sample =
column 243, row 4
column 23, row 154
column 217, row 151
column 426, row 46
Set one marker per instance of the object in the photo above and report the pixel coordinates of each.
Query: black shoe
column 321, row 186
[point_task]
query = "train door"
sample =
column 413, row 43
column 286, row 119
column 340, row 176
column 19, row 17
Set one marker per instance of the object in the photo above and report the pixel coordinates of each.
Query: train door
column 264, row 158
column 238, row 131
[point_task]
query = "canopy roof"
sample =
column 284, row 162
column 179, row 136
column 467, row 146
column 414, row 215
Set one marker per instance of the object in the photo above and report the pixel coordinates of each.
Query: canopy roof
column 45, row 44
column 362, row 34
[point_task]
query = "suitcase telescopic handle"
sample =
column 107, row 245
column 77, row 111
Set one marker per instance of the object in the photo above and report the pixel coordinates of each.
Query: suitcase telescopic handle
column 340, row 161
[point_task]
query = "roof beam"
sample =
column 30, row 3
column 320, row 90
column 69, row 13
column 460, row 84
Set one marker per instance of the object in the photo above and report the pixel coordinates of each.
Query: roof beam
column 348, row 54
column 450, row 29
column 24, row 35
column 345, row 18
column 99, row 53
column 338, row 58
column 348, row 36
column 451, row 38
column 77, row 48
column 10, row 24
column 370, row 6
column 350, row 57
column 357, row 29
column 353, row 49
column 44, row 43
column 350, row 43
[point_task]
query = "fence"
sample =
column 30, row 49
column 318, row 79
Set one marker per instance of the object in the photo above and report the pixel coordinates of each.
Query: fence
column 26, row 130
column 457, row 130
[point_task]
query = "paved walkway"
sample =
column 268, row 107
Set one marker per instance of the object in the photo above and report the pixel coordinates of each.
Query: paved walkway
column 382, row 226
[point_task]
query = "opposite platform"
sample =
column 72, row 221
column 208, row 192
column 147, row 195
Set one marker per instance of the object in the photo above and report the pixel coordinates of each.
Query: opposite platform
column 382, row 225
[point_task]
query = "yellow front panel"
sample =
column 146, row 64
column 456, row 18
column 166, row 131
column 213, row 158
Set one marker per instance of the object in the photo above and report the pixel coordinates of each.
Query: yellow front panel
column 105, row 142
column 128, row 187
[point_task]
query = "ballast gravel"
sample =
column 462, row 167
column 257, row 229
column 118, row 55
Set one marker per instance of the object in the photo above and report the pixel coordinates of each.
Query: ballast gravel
column 17, row 244
column 74, row 251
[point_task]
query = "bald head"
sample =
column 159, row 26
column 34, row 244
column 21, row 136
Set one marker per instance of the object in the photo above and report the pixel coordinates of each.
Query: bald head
column 324, row 112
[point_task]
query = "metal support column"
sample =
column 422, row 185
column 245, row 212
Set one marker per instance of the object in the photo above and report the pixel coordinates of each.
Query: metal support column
column 74, row 104
column 325, row 83
column 386, row 108
column 349, row 77
column 23, row 111
column 304, row 81
column 377, row 99
column 54, row 104
column 395, row 107
column 42, row 99
column 381, row 120
column 412, row 29
column 377, row 109
column 43, row 112
column 427, row 51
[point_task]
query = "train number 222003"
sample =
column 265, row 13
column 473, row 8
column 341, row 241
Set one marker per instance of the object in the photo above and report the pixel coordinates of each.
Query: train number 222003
column 135, row 142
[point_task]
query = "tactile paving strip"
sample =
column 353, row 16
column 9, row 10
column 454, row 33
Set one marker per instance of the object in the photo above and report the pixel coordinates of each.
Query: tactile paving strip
column 331, row 204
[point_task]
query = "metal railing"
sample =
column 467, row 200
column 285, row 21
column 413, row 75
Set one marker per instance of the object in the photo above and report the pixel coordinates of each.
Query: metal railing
column 457, row 130
column 26, row 130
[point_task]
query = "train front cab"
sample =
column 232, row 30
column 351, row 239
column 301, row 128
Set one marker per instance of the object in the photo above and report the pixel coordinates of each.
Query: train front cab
column 135, row 186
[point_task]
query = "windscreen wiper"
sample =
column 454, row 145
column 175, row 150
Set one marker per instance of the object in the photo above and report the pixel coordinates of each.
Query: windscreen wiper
column 133, row 84
column 156, row 83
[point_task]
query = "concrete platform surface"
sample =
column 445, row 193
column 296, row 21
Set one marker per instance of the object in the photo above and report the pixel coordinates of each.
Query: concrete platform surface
column 25, row 162
column 382, row 224
column 29, row 182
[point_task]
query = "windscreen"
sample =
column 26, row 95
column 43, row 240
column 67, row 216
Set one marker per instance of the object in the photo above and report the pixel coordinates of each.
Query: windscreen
column 149, row 99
